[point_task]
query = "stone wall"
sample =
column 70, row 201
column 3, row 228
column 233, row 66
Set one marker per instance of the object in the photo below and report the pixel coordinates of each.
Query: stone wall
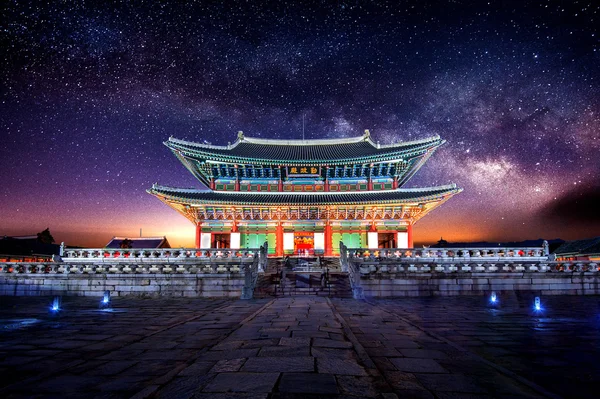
column 434, row 284
column 231, row 284
column 144, row 285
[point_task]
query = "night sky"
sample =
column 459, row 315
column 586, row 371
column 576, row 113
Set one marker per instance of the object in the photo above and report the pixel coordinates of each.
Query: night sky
column 90, row 92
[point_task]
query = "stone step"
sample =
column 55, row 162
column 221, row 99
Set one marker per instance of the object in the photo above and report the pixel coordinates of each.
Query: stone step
column 269, row 284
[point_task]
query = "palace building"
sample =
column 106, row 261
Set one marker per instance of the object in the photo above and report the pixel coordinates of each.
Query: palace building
column 304, row 196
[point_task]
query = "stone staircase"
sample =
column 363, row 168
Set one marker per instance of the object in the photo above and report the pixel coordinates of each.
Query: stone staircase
column 303, row 276
column 274, row 265
column 296, row 284
column 340, row 285
column 333, row 263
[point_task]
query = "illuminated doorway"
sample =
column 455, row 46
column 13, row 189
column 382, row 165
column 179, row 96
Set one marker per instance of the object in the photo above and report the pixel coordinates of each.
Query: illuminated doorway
column 220, row 240
column 304, row 243
column 386, row 240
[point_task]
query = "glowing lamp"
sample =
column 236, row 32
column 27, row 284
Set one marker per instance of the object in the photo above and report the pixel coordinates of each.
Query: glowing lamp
column 537, row 304
column 55, row 307
column 493, row 298
column 105, row 302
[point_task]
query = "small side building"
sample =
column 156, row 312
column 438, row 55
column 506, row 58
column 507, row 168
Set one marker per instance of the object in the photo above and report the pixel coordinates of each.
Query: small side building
column 26, row 249
column 138, row 242
column 588, row 249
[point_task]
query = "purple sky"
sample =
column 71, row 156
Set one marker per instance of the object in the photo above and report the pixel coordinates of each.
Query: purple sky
column 90, row 92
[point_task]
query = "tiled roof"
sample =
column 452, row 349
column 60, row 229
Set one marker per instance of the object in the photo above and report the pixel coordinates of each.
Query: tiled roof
column 139, row 242
column 194, row 196
column 27, row 245
column 582, row 247
column 302, row 151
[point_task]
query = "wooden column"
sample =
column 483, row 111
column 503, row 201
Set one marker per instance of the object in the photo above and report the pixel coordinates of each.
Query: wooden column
column 280, row 185
column 237, row 178
column 212, row 183
column 279, row 239
column 328, row 239
column 410, row 236
column 198, row 233
column 326, row 188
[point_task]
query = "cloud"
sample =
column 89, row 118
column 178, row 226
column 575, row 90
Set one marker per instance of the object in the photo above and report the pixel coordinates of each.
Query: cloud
column 580, row 206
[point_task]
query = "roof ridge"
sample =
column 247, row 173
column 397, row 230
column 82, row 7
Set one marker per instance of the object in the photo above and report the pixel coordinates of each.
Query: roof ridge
column 309, row 142
column 138, row 238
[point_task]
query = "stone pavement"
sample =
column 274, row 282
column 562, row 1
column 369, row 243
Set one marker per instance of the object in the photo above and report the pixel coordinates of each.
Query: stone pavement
column 557, row 348
column 299, row 347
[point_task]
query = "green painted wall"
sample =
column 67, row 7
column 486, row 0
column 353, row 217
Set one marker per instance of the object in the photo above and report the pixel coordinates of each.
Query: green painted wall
column 271, row 239
column 254, row 240
column 351, row 240
column 335, row 242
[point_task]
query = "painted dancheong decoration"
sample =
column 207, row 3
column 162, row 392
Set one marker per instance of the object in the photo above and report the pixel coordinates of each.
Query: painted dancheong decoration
column 304, row 196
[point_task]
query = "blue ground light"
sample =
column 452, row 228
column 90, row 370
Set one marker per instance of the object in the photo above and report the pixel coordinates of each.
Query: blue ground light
column 569, row 369
column 537, row 305
column 55, row 307
column 105, row 301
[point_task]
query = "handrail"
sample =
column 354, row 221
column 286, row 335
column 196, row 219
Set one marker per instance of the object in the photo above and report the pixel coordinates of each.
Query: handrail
column 206, row 266
column 476, row 266
column 152, row 254
column 464, row 252
column 251, row 272
column 353, row 273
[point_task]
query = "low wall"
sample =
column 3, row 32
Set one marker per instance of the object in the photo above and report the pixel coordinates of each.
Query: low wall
column 437, row 284
column 143, row 285
column 408, row 284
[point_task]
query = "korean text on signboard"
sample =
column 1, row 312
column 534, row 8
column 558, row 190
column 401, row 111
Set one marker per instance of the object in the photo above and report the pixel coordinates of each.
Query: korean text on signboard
column 304, row 170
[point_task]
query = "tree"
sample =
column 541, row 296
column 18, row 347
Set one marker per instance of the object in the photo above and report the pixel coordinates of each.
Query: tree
column 45, row 237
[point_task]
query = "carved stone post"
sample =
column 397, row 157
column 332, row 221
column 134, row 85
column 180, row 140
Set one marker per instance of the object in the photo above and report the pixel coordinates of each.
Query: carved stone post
column 343, row 257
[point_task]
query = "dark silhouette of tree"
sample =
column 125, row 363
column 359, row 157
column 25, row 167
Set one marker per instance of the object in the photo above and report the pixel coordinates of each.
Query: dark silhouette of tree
column 45, row 237
column 126, row 243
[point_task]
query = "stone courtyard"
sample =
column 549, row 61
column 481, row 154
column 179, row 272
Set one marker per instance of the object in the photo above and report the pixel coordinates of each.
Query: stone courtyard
column 304, row 346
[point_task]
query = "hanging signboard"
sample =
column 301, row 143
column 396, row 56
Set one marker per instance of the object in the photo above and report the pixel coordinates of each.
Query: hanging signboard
column 303, row 171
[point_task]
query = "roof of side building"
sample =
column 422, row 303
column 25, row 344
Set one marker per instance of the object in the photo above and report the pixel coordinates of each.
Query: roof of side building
column 580, row 247
column 139, row 242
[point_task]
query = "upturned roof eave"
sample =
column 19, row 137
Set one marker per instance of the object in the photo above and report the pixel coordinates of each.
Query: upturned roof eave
column 396, row 155
column 450, row 190
column 310, row 142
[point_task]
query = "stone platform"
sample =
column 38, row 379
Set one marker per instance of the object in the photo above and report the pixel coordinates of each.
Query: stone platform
column 459, row 347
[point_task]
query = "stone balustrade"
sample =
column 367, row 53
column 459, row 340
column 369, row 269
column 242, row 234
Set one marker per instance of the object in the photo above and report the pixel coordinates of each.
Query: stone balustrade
column 369, row 266
column 144, row 261
column 446, row 253
column 151, row 255
column 450, row 260
column 144, row 272
column 115, row 267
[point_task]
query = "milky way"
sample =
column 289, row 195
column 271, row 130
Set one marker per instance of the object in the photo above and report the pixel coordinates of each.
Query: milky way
column 89, row 92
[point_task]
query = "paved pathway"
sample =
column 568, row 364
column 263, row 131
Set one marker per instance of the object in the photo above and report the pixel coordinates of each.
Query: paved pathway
column 297, row 347
column 557, row 348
